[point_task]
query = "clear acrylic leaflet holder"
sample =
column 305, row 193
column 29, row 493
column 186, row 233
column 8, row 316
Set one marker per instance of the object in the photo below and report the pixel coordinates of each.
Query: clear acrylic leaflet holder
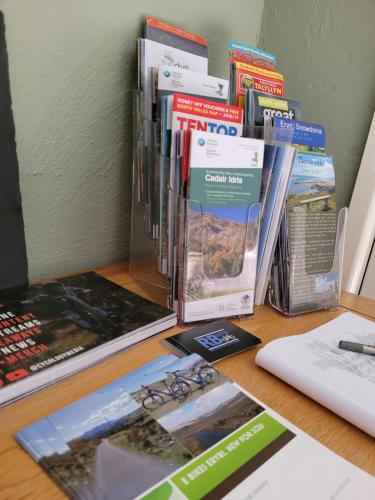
column 307, row 267
column 215, row 262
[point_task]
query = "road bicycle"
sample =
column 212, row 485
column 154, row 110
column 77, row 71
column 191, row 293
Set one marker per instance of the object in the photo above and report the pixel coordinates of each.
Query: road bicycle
column 156, row 397
column 205, row 374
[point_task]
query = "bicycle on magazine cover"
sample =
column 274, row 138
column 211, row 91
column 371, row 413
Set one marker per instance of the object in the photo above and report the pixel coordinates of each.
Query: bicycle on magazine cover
column 180, row 388
column 204, row 375
column 157, row 397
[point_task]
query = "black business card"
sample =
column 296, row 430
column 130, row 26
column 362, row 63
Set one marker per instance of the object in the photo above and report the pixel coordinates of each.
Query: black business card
column 213, row 341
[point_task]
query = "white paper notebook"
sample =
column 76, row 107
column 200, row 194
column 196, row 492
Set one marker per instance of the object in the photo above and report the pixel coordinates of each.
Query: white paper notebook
column 343, row 381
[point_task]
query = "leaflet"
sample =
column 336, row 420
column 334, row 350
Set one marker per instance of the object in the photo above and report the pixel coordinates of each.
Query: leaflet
column 305, row 274
column 221, row 228
column 251, row 55
column 161, row 32
column 260, row 107
column 306, row 137
column 154, row 54
column 249, row 77
column 193, row 113
column 189, row 82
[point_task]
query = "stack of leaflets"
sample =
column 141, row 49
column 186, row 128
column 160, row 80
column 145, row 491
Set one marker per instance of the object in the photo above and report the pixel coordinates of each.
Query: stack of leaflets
column 298, row 241
column 52, row 330
column 273, row 207
column 298, row 247
column 176, row 49
column 198, row 179
column 305, row 269
column 246, row 77
column 178, row 428
column 218, row 248
column 192, row 114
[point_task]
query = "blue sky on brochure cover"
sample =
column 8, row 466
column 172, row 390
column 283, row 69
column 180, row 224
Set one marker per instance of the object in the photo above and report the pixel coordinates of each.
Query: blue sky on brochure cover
column 100, row 408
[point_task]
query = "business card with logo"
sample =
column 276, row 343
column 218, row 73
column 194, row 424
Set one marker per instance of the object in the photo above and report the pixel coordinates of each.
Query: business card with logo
column 213, row 341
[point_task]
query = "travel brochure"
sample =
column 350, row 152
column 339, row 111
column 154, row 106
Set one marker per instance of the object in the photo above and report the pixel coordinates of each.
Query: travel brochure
column 178, row 428
column 260, row 107
column 251, row 55
column 190, row 114
column 172, row 80
column 305, row 272
column 249, row 77
column 305, row 137
column 221, row 225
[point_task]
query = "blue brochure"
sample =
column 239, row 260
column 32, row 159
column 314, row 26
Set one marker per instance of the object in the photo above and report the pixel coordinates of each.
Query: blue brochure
column 307, row 134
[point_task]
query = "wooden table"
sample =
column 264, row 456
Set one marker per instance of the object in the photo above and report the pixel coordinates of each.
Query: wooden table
column 21, row 477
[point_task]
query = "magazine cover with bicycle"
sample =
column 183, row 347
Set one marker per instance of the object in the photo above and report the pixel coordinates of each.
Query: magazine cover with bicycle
column 128, row 436
column 178, row 429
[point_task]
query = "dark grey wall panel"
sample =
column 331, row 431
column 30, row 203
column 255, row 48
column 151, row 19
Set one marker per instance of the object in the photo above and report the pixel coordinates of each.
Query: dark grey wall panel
column 13, row 260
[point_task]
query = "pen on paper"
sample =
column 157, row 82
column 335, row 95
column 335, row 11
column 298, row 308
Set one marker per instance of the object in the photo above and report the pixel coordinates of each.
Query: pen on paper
column 356, row 347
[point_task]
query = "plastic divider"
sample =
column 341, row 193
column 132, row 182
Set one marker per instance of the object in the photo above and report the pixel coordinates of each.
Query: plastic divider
column 270, row 134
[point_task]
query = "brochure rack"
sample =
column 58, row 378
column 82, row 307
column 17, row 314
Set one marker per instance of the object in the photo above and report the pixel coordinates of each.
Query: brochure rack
column 177, row 248
column 310, row 280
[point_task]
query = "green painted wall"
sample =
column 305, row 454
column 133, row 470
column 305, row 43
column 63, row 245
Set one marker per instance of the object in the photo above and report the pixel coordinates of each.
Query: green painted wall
column 326, row 49
column 72, row 68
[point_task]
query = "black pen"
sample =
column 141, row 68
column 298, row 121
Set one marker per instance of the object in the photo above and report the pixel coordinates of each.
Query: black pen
column 355, row 347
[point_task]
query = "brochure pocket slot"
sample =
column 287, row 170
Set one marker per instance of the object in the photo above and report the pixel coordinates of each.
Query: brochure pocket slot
column 146, row 146
column 215, row 260
column 310, row 246
column 270, row 134
column 145, row 245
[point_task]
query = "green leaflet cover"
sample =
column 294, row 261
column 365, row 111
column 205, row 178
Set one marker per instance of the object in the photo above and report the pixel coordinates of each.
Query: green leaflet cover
column 179, row 429
column 221, row 236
